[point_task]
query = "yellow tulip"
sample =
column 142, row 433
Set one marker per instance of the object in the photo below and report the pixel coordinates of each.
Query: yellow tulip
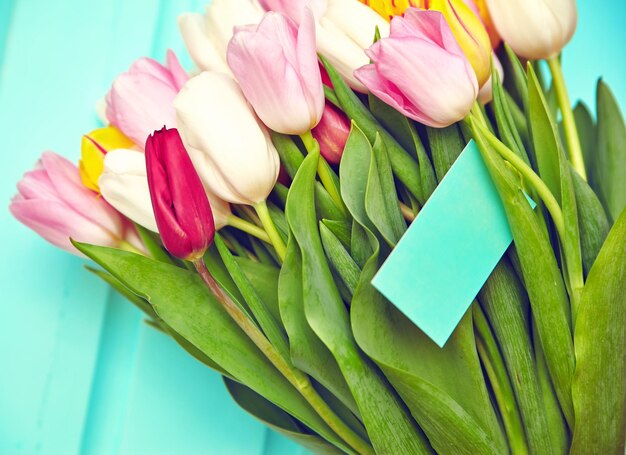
column 94, row 146
column 467, row 27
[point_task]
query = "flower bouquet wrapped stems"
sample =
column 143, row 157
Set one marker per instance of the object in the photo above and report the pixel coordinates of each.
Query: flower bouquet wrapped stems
column 250, row 227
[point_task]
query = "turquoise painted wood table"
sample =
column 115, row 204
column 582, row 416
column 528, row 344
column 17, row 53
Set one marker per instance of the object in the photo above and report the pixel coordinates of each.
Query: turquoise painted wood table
column 79, row 371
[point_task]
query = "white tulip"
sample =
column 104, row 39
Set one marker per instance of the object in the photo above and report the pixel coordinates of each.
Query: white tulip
column 535, row 29
column 229, row 146
column 343, row 32
column 207, row 35
column 124, row 185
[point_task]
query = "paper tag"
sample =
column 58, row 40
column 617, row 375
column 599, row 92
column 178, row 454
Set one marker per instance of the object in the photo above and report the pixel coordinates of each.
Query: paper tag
column 449, row 251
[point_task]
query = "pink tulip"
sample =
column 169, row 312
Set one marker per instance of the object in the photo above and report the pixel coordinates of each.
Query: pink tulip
column 277, row 69
column 53, row 202
column 421, row 70
column 295, row 8
column 181, row 207
column 141, row 100
column 332, row 133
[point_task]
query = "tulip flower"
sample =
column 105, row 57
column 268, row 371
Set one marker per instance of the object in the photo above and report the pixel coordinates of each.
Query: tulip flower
column 181, row 208
column 124, row 185
column 94, row 147
column 230, row 147
column 207, row 35
column 140, row 100
column 332, row 133
column 421, row 70
column 344, row 28
column 390, row 8
column 535, row 29
column 53, row 202
column 277, row 69
column 480, row 8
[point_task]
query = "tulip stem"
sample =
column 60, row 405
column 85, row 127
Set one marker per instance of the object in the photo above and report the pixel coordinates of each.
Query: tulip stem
column 248, row 228
column 270, row 229
column 569, row 123
column 324, row 171
column 296, row 377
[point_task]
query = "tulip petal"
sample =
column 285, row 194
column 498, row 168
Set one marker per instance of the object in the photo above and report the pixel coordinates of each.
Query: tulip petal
column 192, row 27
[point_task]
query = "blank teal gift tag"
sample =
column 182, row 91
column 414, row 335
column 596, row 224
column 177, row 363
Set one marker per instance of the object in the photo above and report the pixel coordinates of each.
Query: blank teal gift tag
column 447, row 254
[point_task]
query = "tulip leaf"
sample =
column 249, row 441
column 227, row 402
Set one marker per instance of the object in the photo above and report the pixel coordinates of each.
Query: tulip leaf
column 587, row 132
column 542, row 276
column 290, row 155
column 600, row 341
column 404, row 167
column 340, row 259
column 181, row 300
column 381, row 203
column 308, row 353
column 517, row 76
column 443, row 388
column 153, row 244
column 594, row 224
column 325, row 205
column 553, row 165
column 610, row 158
column 277, row 419
column 327, row 316
column 264, row 280
column 506, row 304
column 265, row 319
column 341, row 230
column 446, row 144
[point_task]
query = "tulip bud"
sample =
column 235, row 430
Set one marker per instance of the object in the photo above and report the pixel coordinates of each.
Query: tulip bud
column 295, row 8
column 277, row 69
column 181, row 207
column 230, row 147
column 140, row 100
column 94, row 147
column 390, row 8
column 124, row 185
column 207, row 35
column 421, row 70
column 53, row 202
column 535, row 29
column 332, row 133
column 480, row 8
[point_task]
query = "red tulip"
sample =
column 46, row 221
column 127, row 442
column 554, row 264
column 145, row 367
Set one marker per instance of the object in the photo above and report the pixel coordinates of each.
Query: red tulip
column 332, row 133
column 181, row 207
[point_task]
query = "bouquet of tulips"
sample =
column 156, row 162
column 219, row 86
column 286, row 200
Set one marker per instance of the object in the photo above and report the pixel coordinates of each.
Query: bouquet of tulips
column 246, row 208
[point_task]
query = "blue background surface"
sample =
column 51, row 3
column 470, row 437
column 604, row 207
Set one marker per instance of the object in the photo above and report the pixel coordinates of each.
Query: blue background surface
column 79, row 371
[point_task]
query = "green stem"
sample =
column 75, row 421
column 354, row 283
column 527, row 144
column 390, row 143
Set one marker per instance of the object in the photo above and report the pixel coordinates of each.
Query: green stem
column 530, row 176
column 296, row 377
column 324, row 171
column 569, row 123
column 247, row 227
column 499, row 379
column 270, row 229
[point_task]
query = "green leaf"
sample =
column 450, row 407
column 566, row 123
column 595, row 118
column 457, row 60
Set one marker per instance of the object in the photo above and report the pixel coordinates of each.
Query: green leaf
column 555, row 170
column 446, row 144
column 341, row 230
column 264, row 280
column 587, row 132
column 308, row 353
column 181, row 300
column 600, row 341
column 340, row 259
column 327, row 316
column 277, row 419
column 443, row 388
column 506, row 303
column 266, row 321
column 325, row 205
column 610, row 159
column 290, row 155
column 153, row 244
column 381, row 203
column 517, row 76
column 594, row 224
column 542, row 277
column 404, row 167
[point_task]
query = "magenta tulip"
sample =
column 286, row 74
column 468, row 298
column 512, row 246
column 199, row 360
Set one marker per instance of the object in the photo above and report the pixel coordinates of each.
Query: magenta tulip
column 332, row 133
column 276, row 67
column 421, row 70
column 141, row 99
column 181, row 207
column 54, row 203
